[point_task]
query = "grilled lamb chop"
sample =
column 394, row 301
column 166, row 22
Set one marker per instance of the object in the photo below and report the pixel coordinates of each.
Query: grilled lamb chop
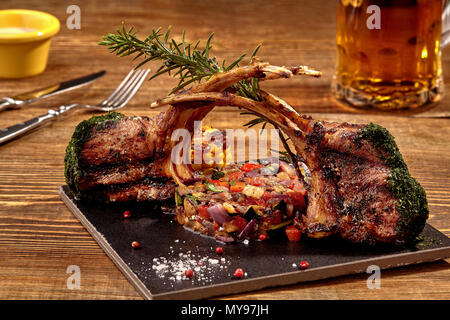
column 114, row 158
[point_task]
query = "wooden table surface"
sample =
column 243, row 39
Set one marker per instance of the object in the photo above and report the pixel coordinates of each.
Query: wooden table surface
column 39, row 236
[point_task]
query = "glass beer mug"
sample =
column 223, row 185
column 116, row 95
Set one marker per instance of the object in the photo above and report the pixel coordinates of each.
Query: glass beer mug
column 389, row 53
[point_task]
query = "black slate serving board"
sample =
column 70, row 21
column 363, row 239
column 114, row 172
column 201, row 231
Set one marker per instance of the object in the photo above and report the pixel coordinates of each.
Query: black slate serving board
column 167, row 249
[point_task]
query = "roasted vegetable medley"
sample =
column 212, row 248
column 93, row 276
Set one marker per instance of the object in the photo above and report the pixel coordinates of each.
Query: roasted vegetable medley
column 243, row 201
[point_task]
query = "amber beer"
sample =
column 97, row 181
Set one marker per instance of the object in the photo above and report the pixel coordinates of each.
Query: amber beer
column 389, row 58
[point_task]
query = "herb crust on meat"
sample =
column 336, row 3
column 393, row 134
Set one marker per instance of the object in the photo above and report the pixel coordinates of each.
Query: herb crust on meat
column 73, row 170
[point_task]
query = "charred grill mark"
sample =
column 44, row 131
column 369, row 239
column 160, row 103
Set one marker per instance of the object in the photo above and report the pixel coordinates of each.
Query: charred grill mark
column 357, row 141
column 119, row 174
column 316, row 136
column 298, row 133
column 330, row 168
column 87, row 169
column 261, row 75
column 147, row 189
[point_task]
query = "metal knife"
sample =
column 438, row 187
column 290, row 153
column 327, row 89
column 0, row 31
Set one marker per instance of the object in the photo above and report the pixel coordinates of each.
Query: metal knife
column 35, row 95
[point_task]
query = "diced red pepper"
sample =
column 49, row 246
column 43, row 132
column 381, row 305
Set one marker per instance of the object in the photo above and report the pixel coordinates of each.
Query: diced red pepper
column 250, row 167
column 266, row 196
column 239, row 222
column 293, row 233
column 275, row 218
column 203, row 212
column 237, row 175
column 216, row 182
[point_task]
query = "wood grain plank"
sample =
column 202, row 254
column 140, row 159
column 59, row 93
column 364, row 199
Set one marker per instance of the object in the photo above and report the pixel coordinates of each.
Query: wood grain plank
column 40, row 238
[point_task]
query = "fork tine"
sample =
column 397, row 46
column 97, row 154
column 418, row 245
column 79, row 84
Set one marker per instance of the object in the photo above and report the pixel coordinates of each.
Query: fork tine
column 131, row 90
column 119, row 88
column 131, row 82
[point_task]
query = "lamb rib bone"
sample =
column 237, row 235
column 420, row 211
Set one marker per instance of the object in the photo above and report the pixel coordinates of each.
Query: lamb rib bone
column 183, row 115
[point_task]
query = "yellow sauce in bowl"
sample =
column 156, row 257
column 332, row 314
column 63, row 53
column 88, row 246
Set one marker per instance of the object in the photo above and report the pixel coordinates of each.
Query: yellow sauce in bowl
column 16, row 30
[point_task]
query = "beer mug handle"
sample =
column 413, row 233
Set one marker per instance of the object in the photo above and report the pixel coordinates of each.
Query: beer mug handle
column 445, row 39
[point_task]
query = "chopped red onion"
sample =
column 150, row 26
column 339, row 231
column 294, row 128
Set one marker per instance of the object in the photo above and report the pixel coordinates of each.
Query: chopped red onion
column 252, row 174
column 249, row 228
column 219, row 214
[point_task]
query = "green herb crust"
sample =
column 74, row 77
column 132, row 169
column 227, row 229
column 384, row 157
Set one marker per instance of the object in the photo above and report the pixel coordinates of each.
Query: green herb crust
column 72, row 165
column 411, row 198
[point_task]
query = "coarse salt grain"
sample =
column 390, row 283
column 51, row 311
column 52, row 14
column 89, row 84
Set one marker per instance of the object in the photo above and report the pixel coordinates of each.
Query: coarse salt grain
column 171, row 268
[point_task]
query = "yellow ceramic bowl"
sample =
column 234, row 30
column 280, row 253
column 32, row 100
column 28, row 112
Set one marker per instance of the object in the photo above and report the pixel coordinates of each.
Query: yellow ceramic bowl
column 25, row 37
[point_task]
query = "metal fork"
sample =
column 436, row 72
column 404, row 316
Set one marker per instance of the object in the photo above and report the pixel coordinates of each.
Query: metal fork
column 116, row 100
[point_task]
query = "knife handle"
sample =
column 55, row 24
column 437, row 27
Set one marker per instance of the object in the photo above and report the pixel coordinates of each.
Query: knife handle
column 16, row 130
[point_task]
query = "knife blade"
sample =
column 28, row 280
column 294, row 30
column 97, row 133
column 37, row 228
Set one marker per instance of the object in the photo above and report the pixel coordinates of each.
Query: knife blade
column 35, row 95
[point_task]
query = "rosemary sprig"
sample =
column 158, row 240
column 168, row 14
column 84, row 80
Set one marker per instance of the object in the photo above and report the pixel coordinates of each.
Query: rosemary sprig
column 181, row 60
column 185, row 61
